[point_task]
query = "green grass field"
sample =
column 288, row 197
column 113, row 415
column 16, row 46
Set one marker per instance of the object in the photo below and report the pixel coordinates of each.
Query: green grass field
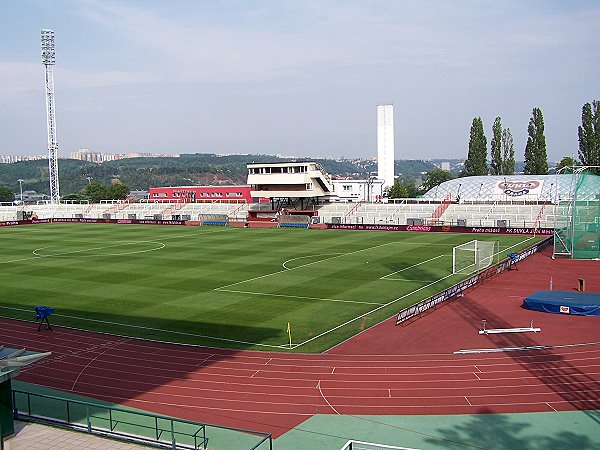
column 224, row 287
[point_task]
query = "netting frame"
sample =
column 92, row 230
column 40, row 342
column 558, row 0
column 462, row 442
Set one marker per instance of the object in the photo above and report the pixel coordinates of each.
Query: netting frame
column 569, row 229
column 482, row 256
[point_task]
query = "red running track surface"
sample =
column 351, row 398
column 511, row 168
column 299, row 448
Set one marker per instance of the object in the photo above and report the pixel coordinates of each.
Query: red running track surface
column 387, row 370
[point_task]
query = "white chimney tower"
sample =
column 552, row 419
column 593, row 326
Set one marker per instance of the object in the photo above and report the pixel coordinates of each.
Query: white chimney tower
column 385, row 144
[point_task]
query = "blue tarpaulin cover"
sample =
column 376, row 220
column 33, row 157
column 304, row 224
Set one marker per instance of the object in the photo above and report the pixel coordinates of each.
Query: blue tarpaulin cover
column 43, row 312
column 564, row 302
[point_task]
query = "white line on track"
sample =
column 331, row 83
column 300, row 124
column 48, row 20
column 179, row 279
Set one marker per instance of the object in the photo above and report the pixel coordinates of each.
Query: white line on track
column 324, row 398
column 94, row 359
column 199, row 387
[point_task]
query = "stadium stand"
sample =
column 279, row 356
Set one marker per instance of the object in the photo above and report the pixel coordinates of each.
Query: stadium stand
column 487, row 201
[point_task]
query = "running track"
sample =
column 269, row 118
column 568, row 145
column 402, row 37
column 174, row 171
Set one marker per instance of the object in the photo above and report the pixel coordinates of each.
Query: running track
column 386, row 370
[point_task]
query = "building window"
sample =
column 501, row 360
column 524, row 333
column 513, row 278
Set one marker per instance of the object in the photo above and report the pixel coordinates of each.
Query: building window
column 347, row 187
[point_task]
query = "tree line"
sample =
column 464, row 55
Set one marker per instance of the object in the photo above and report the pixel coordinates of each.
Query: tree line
column 502, row 152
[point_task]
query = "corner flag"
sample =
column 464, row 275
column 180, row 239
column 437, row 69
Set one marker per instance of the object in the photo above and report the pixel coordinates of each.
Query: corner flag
column 289, row 330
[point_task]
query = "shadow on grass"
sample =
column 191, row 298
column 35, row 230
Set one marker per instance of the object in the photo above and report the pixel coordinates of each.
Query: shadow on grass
column 174, row 380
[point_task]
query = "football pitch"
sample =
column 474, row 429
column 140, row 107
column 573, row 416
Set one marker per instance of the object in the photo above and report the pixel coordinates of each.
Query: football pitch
column 222, row 286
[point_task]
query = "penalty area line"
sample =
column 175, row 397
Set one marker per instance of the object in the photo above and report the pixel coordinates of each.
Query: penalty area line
column 302, row 265
column 374, row 310
column 410, row 267
column 296, row 296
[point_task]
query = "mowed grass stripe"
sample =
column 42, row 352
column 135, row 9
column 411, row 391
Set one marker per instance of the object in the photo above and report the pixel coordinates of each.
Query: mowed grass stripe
column 173, row 288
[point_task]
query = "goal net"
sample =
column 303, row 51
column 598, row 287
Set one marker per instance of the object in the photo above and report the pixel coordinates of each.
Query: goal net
column 473, row 256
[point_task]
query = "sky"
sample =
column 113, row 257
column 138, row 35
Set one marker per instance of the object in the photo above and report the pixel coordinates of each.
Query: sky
column 295, row 77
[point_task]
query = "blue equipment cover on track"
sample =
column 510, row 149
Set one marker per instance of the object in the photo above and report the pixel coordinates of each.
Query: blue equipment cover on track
column 564, row 302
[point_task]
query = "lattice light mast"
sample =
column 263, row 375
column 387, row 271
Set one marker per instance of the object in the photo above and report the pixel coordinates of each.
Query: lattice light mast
column 48, row 60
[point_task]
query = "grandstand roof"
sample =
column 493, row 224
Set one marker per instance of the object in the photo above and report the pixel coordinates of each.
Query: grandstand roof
column 514, row 187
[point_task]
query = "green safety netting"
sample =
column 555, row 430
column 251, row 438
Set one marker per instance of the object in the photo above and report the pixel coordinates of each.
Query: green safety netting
column 577, row 223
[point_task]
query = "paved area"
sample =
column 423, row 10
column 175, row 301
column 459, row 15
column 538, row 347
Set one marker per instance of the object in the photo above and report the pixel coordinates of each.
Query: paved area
column 33, row 436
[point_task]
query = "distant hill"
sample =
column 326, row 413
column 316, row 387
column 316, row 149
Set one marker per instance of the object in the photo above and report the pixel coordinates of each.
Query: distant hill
column 188, row 169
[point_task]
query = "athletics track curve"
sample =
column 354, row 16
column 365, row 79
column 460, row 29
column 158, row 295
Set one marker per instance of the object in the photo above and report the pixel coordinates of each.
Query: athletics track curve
column 386, row 370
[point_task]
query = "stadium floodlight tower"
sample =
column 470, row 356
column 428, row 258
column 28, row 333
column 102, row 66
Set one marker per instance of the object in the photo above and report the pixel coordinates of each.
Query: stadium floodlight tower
column 48, row 60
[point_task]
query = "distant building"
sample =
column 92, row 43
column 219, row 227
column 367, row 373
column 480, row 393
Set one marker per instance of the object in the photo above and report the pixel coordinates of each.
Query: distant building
column 306, row 180
column 85, row 154
column 193, row 194
column 11, row 159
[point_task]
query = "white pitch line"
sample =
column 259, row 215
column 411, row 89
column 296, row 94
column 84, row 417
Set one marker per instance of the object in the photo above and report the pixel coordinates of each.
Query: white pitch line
column 160, row 247
column 410, row 267
column 297, row 296
column 306, row 256
column 116, row 245
column 299, row 267
column 407, row 279
column 127, row 325
column 372, row 311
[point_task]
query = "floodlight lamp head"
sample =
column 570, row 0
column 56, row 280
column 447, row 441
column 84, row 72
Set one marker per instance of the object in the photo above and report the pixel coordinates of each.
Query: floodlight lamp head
column 48, row 54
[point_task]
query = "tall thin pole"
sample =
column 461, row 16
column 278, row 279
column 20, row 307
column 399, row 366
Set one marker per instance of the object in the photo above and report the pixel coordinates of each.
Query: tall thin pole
column 48, row 59
column 20, row 180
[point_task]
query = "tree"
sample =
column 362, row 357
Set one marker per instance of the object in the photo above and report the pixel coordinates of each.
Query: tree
column 6, row 194
column 496, row 147
column 95, row 192
column 404, row 189
column 117, row 191
column 568, row 162
column 508, row 153
column 435, row 178
column 476, row 163
column 589, row 135
column 536, row 160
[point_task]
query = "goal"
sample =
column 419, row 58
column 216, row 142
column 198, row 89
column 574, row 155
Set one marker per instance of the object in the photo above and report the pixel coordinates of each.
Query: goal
column 473, row 256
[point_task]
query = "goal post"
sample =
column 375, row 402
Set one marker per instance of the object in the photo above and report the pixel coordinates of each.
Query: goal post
column 473, row 256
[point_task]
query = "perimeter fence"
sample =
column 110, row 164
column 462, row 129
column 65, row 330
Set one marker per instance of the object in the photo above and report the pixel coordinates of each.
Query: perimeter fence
column 479, row 277
column 133, row 425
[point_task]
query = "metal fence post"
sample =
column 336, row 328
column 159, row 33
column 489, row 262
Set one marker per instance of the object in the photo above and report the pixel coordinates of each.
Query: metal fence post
column 173, row 435
column 89, row 421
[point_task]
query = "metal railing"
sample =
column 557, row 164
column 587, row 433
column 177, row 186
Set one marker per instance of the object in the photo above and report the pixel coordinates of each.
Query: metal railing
column 132, row 425
column 468, row 283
